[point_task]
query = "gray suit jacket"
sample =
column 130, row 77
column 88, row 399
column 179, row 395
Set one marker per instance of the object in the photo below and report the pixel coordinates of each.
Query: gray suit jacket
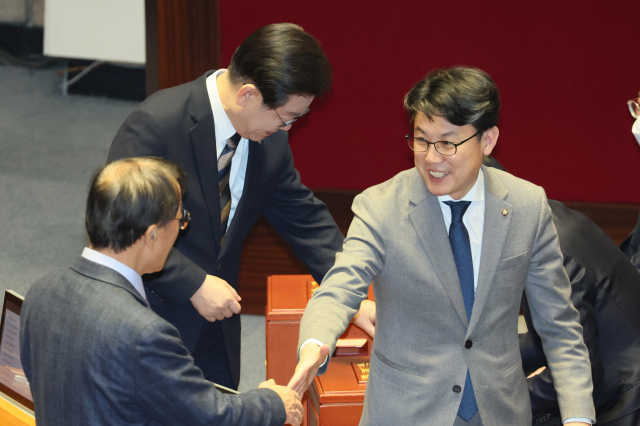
column 95, row 354
column 424, row 343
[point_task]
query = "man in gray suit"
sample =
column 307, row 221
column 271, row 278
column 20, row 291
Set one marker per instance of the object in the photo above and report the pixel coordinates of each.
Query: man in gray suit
column 450, row 246
column 95, row 353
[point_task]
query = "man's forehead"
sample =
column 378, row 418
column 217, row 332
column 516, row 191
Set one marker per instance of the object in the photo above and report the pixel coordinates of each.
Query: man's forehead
column 436, row 126
column 445, row 132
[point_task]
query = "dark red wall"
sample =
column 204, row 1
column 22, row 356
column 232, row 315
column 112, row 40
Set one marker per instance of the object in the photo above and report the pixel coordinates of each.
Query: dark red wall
column 565, row 70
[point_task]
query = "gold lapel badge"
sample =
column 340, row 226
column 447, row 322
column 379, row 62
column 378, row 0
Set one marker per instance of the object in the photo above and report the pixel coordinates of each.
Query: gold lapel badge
column 505, row 212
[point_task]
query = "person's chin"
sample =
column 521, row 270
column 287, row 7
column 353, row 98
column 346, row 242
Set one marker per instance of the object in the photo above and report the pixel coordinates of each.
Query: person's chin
column 258, row 137
column 438, row 188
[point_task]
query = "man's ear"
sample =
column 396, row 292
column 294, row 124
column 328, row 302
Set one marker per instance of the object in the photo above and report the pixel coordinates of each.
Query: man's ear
column 490, row 139
column 245, row 93
column 150, row 236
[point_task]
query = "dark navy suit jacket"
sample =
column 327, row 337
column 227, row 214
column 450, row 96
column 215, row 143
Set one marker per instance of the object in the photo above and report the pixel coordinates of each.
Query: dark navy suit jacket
column 605, row 289
column 631, row 246
column 95, row 354
column 177, row 124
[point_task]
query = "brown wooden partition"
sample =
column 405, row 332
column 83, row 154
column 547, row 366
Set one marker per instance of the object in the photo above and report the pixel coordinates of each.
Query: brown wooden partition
column 183, row 41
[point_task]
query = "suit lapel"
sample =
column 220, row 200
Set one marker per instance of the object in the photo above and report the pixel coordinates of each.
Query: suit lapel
column 251, row 185
column 99, row 272
column 428, row 223
column 494, row 234
column 203, row 140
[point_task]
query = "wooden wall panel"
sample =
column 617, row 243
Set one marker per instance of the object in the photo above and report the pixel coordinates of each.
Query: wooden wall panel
column 266, row 253
column 183, row 41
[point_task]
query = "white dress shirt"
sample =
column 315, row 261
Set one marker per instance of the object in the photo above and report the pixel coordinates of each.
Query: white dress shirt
column 129, row 274
column 473, row 220
column 224, row 130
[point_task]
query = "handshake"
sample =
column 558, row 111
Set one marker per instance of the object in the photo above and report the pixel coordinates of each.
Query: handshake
column 312, row 356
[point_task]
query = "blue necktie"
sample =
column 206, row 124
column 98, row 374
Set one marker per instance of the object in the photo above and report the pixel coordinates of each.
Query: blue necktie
column 461, row 247
column 224, row 167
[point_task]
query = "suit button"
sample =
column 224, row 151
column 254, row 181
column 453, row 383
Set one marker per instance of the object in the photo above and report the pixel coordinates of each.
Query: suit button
column 218, row 266
column 457, row 389
column 468, row 344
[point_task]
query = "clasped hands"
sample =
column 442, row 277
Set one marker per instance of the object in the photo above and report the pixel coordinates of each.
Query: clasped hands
column 217, row 300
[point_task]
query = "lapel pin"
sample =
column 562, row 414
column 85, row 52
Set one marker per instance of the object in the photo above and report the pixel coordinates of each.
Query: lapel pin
column 505, row 212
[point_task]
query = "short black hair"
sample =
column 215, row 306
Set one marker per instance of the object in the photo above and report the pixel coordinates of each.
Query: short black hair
column 460, row 95
column 281, row 60
column 129, row 195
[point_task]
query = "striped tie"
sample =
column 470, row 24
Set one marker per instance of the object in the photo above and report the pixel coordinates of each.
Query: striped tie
column 224, row 166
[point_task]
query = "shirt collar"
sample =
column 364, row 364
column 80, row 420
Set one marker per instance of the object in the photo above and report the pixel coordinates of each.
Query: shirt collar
column 476, row 193
column 223, row 126
column 129, row 274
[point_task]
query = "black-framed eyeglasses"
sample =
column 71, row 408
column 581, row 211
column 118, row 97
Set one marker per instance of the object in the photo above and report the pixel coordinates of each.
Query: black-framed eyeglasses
column 443, row 147
column 293, row 120
column 184, row 220
column 634, row 108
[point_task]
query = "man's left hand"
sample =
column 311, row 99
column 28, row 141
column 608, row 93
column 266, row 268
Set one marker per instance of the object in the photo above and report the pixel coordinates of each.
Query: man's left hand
column 365, row 318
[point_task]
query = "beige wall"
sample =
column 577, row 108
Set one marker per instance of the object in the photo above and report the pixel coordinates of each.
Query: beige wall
column 27, row 12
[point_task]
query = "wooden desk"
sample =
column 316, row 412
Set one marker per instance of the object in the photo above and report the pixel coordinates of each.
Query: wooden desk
column 10, row 415
column 335, row 398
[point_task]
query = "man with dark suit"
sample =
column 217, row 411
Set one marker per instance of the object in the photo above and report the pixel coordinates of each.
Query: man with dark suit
column 228, row 132
column 93, row 351
column 450, row 246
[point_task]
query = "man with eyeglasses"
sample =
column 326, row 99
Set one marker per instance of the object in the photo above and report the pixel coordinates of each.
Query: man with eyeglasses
column 450, row 246
column 93, row 351
column 228, row 131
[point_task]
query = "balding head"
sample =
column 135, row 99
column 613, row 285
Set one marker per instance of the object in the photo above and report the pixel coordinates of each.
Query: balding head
column 129, row 195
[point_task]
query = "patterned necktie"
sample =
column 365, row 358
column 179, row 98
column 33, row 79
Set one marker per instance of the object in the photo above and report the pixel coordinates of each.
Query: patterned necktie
column 461, row 247
column 224, row 166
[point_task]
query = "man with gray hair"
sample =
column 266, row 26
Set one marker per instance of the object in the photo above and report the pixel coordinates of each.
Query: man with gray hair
column 93, row 351
column 450, row 246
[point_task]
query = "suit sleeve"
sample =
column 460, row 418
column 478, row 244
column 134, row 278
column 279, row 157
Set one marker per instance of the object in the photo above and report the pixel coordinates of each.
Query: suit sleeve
column 584, row 292
column 173, row 391
column 303, row 221
column 141, row 135
column 344, row 287
column 557, row 322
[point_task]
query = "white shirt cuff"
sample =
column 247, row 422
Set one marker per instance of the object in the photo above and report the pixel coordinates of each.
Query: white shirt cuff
column 317, row 342
column 578, row 419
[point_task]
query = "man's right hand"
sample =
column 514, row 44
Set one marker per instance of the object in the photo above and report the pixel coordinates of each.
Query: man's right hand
column 216, row 299
column 290, row 399
column 311, row 358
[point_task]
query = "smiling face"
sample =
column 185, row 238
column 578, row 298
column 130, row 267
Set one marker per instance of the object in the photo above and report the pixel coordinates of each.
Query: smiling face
column 451, row 175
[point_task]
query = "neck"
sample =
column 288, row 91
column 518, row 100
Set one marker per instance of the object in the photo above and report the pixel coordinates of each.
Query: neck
column 129, row 257
column 227, row 93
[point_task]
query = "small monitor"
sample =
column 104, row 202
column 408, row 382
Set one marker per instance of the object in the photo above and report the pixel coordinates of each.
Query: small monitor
column 13, row 381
